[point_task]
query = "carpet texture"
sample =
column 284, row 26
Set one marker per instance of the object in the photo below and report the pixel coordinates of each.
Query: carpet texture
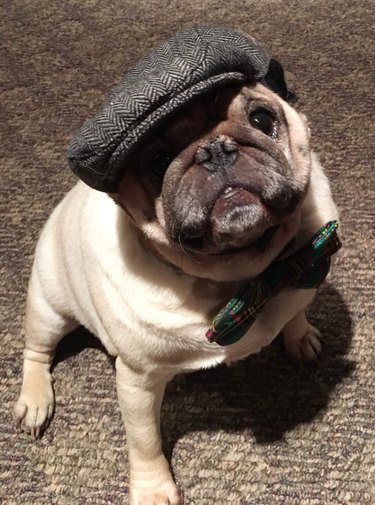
column 264, row 431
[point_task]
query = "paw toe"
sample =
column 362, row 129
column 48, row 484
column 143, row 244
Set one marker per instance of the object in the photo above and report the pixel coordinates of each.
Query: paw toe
column 20, row 411
column 33, row 413
column 167, row 494
column 311, row 346
column 306, row 349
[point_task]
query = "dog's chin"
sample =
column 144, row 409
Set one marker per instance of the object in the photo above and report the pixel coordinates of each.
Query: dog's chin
column 236, row 243
column 222, row 262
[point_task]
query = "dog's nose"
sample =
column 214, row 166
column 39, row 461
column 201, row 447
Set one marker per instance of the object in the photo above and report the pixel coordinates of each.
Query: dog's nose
column 218, row 153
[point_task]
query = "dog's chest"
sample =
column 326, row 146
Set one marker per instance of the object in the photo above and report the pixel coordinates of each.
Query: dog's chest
column 157, row 313
column 134, row 303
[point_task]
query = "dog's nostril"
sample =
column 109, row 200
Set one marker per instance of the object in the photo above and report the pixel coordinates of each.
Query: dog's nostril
column 202, row 155
column 230, row 147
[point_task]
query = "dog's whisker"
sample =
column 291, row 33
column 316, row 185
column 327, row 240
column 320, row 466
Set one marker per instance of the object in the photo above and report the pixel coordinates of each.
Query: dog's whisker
column 182, row 247
column 184, row 253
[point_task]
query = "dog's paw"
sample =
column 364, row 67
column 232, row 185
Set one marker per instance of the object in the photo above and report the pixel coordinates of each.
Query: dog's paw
column 306, row 348
column 34, row 407
column 165, row 494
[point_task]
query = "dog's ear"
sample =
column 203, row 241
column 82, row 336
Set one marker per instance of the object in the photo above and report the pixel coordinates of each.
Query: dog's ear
column 275, row 80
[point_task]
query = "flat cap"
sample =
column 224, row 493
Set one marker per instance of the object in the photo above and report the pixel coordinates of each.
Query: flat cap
column 193, row 62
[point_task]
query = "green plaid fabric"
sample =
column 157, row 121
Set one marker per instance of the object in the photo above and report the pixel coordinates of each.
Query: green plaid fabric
column 305, row 269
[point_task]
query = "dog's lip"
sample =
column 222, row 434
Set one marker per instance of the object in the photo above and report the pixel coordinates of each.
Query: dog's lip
column 230, row 190
column 261, row 243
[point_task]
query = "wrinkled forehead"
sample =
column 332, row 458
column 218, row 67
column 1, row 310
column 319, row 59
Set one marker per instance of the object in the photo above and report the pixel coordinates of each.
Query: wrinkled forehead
column 232, row 102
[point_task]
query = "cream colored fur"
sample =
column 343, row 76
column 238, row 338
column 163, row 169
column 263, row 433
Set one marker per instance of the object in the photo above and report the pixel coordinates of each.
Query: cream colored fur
column 90, row 268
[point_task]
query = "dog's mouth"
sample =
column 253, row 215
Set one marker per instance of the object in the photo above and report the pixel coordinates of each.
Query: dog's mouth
column 238, row 220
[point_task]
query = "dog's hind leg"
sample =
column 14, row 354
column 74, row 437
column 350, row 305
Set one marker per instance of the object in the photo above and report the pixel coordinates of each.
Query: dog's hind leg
column 44, row 328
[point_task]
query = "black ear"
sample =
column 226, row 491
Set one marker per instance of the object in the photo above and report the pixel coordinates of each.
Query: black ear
column 275, row 80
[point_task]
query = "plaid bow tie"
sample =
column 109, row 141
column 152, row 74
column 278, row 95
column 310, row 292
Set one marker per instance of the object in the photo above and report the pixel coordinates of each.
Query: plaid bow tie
column 305, row 269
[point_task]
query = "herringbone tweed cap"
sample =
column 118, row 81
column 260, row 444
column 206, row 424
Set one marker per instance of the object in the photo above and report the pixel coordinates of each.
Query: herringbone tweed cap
column 191, row 63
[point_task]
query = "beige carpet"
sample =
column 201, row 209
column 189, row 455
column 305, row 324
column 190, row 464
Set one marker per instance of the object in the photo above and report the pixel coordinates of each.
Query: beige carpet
column 263, row 432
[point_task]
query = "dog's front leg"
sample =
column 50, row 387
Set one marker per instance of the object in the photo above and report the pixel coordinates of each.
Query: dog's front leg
column 140, row 396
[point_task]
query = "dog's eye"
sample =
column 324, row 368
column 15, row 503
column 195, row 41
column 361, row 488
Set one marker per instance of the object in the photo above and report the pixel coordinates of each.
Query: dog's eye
column 263, row 120
column 160, row 162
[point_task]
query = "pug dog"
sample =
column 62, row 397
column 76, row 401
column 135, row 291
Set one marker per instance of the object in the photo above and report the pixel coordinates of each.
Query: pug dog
column 217, row 193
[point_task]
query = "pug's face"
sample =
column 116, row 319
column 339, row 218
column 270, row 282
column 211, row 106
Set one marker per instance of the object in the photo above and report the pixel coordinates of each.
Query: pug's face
column 217, row 190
